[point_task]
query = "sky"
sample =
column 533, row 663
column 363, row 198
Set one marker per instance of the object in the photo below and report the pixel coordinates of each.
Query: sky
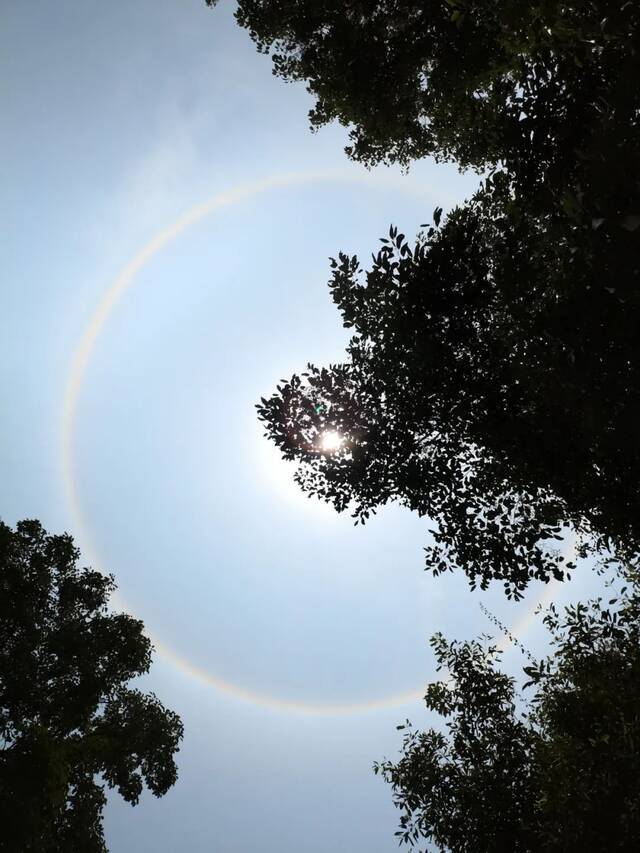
column 167, row 226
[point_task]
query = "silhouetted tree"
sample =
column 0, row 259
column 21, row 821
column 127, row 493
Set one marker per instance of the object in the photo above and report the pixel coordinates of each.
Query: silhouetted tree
column 67, row 714
column 559, row 772
column 548, row 89
column 493, row 380
column 491, row 384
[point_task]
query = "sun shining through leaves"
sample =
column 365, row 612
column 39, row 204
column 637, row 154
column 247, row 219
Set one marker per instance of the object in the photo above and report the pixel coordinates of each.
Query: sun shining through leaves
column 330, row 441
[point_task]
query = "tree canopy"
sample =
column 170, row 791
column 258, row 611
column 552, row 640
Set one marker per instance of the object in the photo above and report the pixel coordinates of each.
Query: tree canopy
column 491, row 384
column 492, row 381
column 546, row 89
column 557, row 771
column 68, row 716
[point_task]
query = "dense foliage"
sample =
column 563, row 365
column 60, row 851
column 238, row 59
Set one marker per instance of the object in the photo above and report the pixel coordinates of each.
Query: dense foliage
column 548, row 89
column 67, row 714
column 492, row 384
column 558, row 772
column 492, row 380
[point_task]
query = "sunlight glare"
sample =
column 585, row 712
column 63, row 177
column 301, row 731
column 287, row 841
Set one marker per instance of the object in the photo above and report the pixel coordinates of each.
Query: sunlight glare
column 331, row 440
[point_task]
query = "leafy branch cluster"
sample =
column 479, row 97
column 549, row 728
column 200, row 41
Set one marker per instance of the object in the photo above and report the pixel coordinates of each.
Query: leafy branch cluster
column 556, row 773
column 67, row 714
column 483, row 389
column 546, row 89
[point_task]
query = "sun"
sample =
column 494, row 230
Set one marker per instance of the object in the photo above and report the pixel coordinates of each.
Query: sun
column 331, row 440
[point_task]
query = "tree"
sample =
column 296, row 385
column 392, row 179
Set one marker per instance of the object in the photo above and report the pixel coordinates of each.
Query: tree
column 491, row 384
column 560, row 772
column 493, row 379
column 67, row 714
column 547, row 89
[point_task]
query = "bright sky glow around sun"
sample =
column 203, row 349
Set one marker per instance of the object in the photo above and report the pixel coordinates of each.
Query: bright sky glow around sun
column 331, row 440
column 118, row 120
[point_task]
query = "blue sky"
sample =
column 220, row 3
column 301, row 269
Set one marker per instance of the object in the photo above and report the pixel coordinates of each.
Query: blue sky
column 117, row 119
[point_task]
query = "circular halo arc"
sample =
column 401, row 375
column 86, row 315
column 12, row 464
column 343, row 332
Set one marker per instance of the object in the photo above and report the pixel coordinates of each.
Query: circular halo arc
column 77, row 374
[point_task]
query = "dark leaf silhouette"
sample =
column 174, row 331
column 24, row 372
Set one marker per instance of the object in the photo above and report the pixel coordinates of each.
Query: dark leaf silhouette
column 491, row 384
column 557, row 771
column 68, row 715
